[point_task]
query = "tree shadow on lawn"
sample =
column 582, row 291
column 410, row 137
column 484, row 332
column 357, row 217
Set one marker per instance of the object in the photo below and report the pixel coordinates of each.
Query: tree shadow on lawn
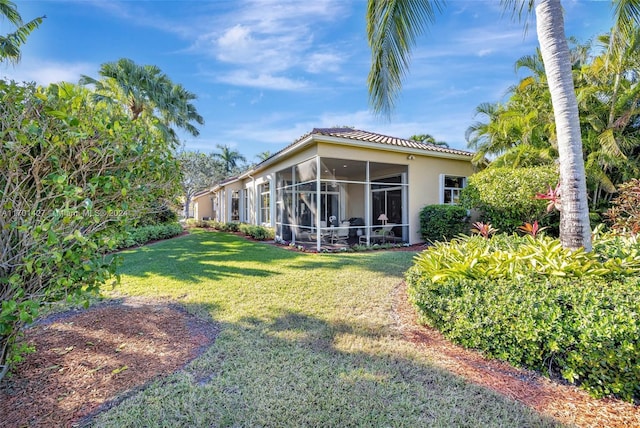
column 295, row 369
column 88, row 360
column 206, row 255
column 197, row 256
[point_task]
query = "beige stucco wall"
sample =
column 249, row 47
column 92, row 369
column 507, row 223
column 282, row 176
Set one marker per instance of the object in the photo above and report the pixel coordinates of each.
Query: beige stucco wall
column 424, row 185
column 203, row 206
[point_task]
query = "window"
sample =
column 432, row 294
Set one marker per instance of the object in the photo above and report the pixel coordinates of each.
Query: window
column 265, row 205
column 451, row 187
column 235, row 206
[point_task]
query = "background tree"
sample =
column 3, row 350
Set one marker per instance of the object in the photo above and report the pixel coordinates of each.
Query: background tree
column 11, row 43
column 199, row 172
column 263, row 156
column 392, row 28
column 229, row 157
column 428, row 139
column 147, row 93
column 521, row 131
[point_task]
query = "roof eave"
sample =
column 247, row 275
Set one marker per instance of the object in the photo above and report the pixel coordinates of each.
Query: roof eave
column 392, row 148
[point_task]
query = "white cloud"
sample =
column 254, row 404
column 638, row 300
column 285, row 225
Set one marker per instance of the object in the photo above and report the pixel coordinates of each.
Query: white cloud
column 324, row 62
column 264, row 39
column 46, row 72
column 261, row 80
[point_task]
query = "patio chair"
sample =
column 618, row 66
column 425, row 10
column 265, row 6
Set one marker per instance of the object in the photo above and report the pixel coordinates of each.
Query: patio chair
column 383, row 234
column 340, row 234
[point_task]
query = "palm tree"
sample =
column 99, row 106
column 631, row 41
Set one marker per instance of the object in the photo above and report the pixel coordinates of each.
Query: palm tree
column 392, row 28
column 428, row 139
column 11, row 43
column 610, row 99
column 263, row 156
column 147, row 92
column 229, row 156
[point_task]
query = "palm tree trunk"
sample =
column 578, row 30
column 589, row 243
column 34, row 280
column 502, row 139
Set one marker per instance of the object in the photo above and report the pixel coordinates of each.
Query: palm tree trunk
column 575, row 230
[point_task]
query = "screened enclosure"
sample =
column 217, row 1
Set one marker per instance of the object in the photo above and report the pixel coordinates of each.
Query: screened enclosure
column 329, row 201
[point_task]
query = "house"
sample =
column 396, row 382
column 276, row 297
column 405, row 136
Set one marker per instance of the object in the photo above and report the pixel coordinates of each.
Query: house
column 202, row 205
column 342, row 186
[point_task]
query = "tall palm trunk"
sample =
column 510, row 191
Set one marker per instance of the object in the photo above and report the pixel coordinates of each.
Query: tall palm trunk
column 575, row 231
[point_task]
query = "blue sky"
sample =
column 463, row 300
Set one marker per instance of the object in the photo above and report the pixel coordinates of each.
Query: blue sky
column 266, row 72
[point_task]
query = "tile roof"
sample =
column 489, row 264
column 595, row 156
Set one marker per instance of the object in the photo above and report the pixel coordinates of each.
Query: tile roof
column 372, row 137
column 357, row 135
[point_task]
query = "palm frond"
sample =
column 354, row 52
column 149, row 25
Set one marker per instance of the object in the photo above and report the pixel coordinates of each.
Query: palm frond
column 392, row 29
column 9, row 10
column 11, row 43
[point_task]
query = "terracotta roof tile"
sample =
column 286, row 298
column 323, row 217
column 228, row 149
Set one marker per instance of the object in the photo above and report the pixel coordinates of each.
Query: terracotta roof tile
column 372, row 137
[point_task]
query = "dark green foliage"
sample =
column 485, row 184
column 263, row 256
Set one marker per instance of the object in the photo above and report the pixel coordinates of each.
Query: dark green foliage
column 158, row 213
column 506, row 197
column 73, row 176
column 230, row 227
column 563, row 315
column 443, row 222
column 144, row 234
column 259, row 233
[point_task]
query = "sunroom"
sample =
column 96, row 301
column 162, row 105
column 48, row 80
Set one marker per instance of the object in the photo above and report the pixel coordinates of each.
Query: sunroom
column 338, row 202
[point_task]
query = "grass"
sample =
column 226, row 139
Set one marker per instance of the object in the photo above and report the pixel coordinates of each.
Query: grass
column 306, row 340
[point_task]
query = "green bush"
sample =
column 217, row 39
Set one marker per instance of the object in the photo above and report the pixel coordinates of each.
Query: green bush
column 212, row 224
column 443, row 222
column 259, row 233
column 159, row 213
column 72, row 173
column 230, row 227
column 506, row 196
column 144, row 234
column 529, row 302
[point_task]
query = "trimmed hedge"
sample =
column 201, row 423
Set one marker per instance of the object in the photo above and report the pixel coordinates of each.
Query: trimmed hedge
column 575, row 316
column 443, row 222
column 144, row 234
column 259, row 233
column 505, row 196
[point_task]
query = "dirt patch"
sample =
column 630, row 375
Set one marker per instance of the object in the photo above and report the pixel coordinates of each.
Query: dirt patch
column 86, row 361
column 566, row 403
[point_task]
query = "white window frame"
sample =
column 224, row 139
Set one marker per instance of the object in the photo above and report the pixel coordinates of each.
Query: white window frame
column 453, row 190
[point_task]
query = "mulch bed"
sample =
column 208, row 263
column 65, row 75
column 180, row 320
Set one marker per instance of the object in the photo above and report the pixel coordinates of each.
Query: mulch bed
column 89, row 360
column 565, row 403
column 86, row 361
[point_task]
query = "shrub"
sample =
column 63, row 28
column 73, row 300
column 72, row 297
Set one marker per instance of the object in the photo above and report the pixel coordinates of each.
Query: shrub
column 71, row 172
column 212, row 224
column 624, row 214
column 506, row 196
column 259, row 233
column 531, row 303
column 144, row 234
column 442, row 222
column 230, row 227
column 157, row 213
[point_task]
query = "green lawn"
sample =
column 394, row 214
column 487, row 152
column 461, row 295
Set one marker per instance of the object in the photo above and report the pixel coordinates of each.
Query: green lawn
column 306, row 340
